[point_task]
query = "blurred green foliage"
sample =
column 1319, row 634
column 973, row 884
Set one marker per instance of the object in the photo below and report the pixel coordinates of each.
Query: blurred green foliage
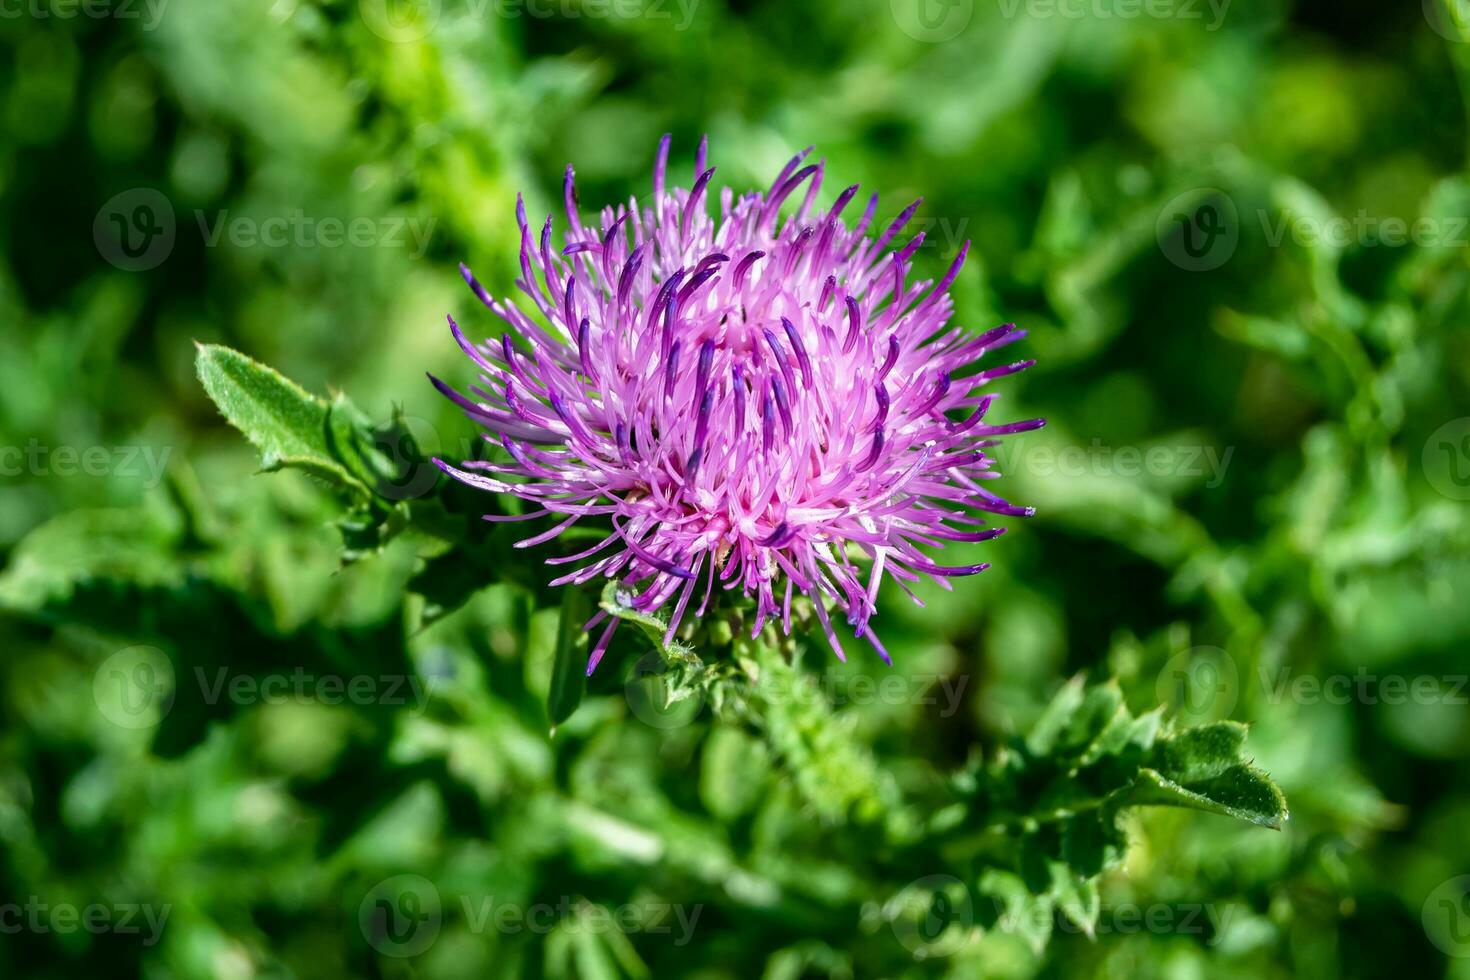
column 1237, row 235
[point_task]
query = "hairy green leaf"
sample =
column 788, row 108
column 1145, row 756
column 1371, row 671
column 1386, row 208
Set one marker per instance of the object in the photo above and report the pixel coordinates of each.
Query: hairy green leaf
column 284, row 421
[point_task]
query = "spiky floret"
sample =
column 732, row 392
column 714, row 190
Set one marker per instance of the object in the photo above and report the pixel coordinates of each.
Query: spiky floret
column 753, row 403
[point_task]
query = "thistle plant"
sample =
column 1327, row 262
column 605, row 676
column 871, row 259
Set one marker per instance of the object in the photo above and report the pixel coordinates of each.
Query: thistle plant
column 748, row 423
column 754, row 401
column 329, row 720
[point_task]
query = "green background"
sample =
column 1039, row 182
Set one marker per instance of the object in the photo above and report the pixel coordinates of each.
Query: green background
column 1302, row 517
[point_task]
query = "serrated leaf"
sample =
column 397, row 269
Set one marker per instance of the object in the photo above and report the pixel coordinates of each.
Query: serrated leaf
column 1205, row 768
column 651, row 626
column 1144, row 730
column 1092, row 842
column 1049, row 803
column 1099, row 708
column 1018, row 911
column 837, row 776
column 1075, row 896
column 1054, row 720
column 386, row 458
column 280, row 418
column 344, row 434
column 569, row 666
column 1112, row 739
column 1098, row 726
column 1201, row 753
column 132, row 547
column 1243, row 792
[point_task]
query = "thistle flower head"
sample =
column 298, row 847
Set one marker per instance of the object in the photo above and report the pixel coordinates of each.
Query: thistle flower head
column 762, row 402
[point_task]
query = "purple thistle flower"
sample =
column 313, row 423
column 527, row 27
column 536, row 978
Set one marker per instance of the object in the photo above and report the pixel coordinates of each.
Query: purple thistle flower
column 751, row 402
